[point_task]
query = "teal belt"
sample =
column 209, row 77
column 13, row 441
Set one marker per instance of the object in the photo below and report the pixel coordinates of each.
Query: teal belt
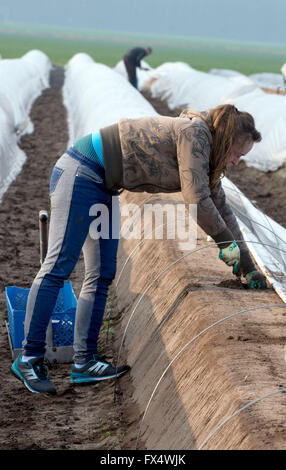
column 97, row 145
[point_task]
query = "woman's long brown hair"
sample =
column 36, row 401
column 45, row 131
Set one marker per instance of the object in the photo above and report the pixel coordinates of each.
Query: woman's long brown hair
column 228, row 126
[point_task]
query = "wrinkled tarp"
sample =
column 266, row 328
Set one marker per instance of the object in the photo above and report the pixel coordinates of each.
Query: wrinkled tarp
column 96, row 96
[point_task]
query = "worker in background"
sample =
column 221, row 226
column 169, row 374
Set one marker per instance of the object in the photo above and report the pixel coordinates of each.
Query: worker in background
column 132, row 60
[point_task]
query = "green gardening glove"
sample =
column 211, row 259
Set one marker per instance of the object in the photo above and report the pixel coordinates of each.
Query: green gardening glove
column 236, row 269
column 256, row 280
column 231, row 256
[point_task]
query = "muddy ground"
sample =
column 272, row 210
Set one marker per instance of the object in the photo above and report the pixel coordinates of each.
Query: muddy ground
column 79, row 417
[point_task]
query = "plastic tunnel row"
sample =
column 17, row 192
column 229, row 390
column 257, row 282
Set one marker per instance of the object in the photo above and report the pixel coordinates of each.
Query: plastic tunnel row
column 22, row 81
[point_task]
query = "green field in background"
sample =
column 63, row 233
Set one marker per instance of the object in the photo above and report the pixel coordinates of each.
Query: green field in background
column 60, row 44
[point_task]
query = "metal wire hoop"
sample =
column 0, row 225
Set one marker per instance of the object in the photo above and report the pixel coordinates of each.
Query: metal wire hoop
column 192, row 341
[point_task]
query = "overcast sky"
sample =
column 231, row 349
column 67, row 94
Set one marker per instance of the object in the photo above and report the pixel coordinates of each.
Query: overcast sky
column 250, row 20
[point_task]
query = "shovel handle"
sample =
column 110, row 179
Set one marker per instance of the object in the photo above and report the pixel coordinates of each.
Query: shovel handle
column 43, row 225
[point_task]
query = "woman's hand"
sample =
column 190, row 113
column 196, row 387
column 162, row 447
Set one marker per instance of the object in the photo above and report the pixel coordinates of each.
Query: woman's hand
column 231, row 256
column 256, row 280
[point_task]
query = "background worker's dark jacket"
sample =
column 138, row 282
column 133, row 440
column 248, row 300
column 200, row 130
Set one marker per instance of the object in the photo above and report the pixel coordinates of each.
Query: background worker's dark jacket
column 165, row 154
column 135, row 55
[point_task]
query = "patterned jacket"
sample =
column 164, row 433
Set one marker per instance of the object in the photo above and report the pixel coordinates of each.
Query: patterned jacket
column 165, row 154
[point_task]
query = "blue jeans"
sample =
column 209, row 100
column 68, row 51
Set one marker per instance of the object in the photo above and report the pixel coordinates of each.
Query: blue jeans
column 77, row 190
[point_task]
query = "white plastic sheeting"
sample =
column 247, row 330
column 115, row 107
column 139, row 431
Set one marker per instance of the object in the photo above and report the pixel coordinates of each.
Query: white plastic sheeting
column 98, row 109
column 273, row 81
column 269, row 112
column 22, row 81
column 11, row 156
column 198, row 90
column 283, row 71
column 227, row 73
column 267, row 236
column 96, row 96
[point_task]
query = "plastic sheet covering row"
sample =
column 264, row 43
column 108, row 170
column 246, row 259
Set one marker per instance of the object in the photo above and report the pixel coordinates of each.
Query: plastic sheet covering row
column 182, row 86
column 22, row 81
column 272, row 81
column 97, row 96
column 266, row 239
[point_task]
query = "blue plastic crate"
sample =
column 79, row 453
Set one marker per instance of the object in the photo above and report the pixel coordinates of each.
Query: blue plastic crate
column 63, row 317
